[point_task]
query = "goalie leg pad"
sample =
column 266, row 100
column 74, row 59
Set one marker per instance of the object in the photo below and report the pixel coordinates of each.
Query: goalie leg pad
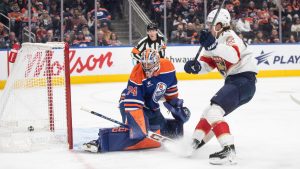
column 173, row 128
column 117, row 139
column 155, row 118
column 121, row 105
column 138, row 123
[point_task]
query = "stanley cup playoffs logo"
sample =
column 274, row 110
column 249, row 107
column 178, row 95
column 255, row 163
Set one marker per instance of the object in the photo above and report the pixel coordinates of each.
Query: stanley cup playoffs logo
column 287, row 58
column 263, row 58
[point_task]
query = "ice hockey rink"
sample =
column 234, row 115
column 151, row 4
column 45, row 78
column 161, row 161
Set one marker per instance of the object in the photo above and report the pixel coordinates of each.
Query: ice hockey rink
column 266, row 130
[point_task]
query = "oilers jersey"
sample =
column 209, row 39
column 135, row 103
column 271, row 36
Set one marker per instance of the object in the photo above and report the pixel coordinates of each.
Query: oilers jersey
column 145, row 92
column 231, row 56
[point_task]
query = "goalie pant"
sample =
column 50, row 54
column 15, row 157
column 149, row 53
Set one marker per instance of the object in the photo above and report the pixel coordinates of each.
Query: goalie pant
column 118, row 138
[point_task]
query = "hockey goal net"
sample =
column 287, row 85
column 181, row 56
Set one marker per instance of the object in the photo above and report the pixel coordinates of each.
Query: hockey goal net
column 35, row 106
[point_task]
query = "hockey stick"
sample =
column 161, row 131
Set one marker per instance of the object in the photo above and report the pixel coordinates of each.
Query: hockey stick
column 151, row 135
column 213, row 22
column 295, row 100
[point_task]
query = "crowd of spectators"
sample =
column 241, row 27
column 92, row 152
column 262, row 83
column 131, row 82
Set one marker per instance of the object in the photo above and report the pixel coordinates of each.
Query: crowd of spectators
column 255, row 21
column 78, row 26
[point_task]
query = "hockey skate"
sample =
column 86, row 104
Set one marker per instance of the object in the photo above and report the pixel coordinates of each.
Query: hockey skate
column 197, row 144
column 91, row 146
column 226, row 156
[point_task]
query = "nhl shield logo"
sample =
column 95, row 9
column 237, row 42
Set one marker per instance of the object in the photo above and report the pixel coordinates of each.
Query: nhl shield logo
column 159, row 91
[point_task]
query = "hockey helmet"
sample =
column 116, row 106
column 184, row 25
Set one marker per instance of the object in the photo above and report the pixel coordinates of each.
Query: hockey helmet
column 150, row 62
column 151, row 26
column 223, row 17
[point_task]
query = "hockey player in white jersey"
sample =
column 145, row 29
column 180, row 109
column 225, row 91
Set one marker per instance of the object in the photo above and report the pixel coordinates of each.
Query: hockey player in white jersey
column 225, row 51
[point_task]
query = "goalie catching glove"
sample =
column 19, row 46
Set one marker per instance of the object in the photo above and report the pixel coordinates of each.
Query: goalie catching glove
column 180, row 113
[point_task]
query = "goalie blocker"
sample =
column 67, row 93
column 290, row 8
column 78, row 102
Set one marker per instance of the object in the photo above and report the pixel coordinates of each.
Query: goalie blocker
column 150, row 80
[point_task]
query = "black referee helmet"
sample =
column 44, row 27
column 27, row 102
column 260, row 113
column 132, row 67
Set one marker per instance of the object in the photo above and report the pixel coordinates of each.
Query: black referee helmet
column 151, row 26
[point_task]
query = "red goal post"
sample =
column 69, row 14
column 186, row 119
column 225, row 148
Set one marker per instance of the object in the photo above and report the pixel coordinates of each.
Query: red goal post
column 36, row 101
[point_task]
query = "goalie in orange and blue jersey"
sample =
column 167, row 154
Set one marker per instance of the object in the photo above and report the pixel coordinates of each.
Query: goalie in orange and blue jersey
column 152, row 79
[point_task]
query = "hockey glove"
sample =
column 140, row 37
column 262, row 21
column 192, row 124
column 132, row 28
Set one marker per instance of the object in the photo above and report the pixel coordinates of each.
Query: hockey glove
column 192, row 66
column 175, row 106
column 207, row 40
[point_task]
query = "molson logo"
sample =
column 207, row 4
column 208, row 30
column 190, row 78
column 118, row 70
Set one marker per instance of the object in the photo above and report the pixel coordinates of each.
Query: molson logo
column 37, row 63
column 91, row 62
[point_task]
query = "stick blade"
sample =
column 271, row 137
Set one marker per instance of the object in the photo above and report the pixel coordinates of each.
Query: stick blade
column 295, row 100
column 85, row 109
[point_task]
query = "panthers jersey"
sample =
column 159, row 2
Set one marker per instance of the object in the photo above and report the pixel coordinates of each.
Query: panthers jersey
column 146, row 92
column 230, row 57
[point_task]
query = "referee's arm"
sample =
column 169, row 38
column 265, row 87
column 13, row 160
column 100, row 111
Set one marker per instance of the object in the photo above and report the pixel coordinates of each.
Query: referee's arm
column 135, row 54
column 138, row 49
column 162, row 51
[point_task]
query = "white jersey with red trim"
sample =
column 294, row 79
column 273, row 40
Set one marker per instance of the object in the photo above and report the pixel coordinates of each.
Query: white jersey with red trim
column 231, row 56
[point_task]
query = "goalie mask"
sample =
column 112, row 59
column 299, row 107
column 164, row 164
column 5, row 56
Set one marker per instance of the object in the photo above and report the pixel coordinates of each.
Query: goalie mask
column 150, row 62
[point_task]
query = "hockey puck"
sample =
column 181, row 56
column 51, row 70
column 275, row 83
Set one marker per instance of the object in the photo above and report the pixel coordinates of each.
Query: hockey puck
column 30, row 128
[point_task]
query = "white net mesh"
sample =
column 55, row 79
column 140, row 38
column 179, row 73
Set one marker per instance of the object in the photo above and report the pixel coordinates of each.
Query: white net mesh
column 33, row 104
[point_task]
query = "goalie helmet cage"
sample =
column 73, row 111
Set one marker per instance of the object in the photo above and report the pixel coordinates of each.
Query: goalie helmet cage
column 35, row 106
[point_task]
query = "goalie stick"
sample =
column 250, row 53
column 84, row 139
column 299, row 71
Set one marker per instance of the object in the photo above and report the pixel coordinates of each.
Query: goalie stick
column 295, row 100
column 151, row 135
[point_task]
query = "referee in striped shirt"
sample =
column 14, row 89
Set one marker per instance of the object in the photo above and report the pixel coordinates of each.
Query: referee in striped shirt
column 152, row 40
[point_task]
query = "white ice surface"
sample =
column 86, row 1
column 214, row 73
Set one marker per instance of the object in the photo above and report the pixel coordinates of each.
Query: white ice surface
column 266, row 131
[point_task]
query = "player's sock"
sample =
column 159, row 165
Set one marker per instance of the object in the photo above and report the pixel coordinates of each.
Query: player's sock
column 222, row 132
column 201, row 131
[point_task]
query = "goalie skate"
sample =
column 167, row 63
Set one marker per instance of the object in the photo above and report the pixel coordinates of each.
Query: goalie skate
column 91, row 146
column 226, row 156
